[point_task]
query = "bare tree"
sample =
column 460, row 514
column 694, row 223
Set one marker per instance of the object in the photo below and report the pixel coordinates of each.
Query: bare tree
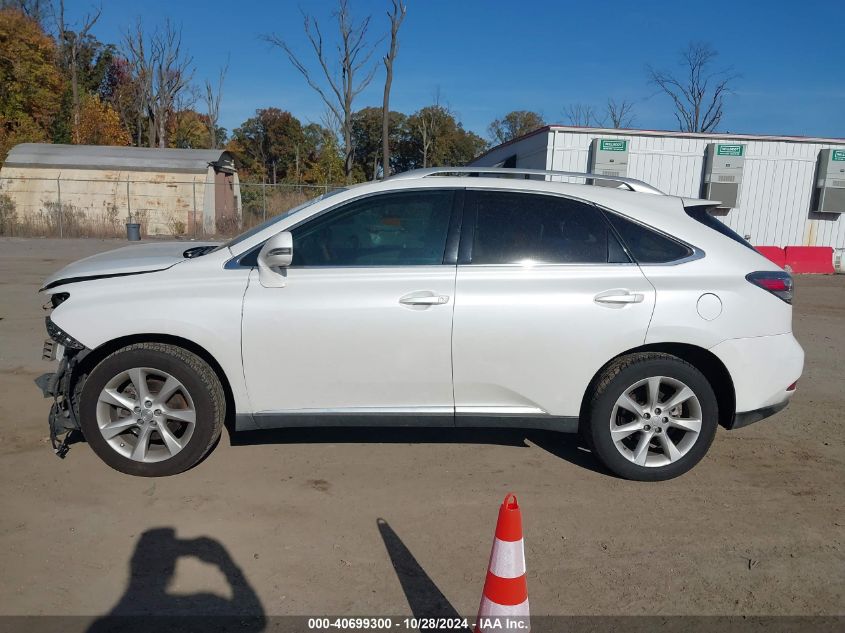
column 330, row 121
column 161, row 72
column 142, row 63
column 396, row 16
column 70, row 41
column 582, row 115
column 621, row 113
column 354, row 52
column 213, row 97
column 427, row 124
column 30, row 8
column 173, row 74
column 698, row 93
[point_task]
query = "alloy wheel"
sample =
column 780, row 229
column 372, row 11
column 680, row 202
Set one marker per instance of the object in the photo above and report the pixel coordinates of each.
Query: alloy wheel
column 656, row 421
column 146, row 414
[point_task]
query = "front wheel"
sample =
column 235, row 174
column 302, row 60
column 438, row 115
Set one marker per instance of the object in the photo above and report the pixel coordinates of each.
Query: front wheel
column 652, row 417
column 152, row 409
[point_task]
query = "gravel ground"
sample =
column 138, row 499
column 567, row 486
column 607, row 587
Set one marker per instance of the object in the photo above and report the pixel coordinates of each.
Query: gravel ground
column 401, row 521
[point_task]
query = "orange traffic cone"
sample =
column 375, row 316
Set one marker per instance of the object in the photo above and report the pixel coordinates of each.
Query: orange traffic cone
column 504, row 603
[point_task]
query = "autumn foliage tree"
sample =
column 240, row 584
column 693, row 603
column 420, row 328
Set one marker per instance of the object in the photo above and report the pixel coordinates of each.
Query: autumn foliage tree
column 30, row 81
column 99, row 124
column 188, row 129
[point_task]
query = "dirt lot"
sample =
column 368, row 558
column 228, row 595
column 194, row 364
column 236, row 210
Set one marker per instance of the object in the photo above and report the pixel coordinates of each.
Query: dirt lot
column 398, row 521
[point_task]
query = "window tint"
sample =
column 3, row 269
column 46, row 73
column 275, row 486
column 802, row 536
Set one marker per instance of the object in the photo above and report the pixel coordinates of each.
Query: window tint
column 647, row 246
column 399, row 229
column 515, row 227
column 703, row 215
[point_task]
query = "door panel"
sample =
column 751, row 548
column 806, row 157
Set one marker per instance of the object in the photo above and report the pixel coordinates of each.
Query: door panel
column 534, row 337
column 545, row 296
column 339, row 338
column 363, row 324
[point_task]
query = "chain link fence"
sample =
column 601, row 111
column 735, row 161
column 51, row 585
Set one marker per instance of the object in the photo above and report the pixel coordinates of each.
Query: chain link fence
column 163, row 205
column 260, row 201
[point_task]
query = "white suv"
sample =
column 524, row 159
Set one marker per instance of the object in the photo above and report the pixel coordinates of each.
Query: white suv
column 436, row 299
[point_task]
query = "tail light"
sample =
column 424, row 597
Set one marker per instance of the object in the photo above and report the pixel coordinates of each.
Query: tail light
column 778, row 283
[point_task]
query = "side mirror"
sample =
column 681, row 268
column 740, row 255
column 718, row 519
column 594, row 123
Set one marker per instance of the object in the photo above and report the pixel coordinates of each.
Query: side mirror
column 277, row 253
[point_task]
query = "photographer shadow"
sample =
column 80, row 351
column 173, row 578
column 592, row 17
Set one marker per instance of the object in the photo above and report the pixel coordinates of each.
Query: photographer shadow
column 147, row 605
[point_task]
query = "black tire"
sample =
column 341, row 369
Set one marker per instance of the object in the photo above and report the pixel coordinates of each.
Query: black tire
column 619, row 376
column 192, row 371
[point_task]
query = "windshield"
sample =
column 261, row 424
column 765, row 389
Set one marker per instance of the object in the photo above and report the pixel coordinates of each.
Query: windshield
column 272, row 220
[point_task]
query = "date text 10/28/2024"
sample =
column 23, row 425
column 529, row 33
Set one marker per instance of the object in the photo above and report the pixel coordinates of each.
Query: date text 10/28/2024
column 513, row 623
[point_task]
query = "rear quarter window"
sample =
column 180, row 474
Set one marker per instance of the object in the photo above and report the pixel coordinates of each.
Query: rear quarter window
column 646, row 245
column 701, row 214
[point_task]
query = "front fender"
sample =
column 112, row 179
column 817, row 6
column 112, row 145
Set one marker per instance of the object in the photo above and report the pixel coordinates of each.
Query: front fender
column 202, row 308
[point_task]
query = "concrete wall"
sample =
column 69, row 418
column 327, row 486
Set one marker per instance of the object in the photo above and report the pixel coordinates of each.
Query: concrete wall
column 775, row 193
column 166, row 201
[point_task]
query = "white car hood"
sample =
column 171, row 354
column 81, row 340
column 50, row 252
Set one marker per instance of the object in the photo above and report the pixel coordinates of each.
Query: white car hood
column 140, row 258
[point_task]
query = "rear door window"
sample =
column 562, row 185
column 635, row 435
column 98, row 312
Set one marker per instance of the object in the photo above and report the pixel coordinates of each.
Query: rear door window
column 521, row 228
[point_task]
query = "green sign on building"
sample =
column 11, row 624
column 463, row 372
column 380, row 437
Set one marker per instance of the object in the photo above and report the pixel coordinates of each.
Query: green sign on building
column 607, row 145
column 839, row 154
column 730, row 150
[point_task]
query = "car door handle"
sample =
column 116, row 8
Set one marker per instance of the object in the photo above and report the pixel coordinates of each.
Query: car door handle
column 424, row 300
column 618, row 297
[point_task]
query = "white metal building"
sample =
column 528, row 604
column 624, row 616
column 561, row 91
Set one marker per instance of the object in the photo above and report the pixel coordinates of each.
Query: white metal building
column 775, row 178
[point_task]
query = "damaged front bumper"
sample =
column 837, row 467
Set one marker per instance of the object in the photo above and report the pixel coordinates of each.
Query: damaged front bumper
column 60, row 385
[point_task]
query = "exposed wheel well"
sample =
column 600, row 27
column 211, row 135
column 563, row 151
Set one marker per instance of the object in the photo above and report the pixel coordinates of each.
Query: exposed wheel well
column 90, row 360
column 703, row 360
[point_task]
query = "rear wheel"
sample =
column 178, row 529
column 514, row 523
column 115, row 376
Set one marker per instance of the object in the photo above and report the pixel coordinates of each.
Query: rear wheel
column 652, row 417
column 152, row 409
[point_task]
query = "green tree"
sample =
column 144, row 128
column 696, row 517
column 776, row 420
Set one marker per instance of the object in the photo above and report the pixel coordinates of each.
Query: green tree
column 270, row 145
column 94, row 60
column 513, row 125
column 324, row 161
column 367, row 125
column 30, row 81
column 434, row 137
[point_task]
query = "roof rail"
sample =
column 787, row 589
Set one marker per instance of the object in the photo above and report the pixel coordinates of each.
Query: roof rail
column 631, row 183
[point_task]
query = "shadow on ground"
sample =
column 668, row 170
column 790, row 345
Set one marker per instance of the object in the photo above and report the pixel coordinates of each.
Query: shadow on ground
column 566, row 446
column 147, row 605
column 423, row 595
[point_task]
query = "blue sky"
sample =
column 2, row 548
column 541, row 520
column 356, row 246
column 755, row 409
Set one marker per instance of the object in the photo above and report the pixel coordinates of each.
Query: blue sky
column 487, row 58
